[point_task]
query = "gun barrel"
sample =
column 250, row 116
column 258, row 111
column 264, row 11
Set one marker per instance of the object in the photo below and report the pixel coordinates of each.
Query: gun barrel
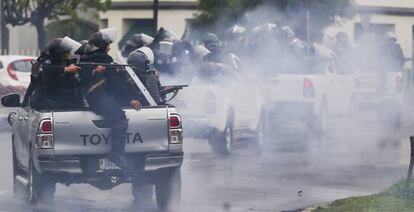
column 170, row 89
column 105, row 64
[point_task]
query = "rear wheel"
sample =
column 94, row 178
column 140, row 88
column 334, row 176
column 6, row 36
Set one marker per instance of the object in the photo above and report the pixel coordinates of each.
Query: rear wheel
column 222, row 142
column 168, row 189
column 18, row 188
column 40, row 189
column 142, row 191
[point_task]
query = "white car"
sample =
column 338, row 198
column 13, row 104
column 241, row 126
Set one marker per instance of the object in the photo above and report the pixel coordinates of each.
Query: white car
column 224, row 113
column 311, row 96
column 15, row 70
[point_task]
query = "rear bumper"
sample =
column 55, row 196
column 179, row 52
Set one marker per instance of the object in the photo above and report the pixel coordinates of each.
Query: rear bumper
column 90, row 165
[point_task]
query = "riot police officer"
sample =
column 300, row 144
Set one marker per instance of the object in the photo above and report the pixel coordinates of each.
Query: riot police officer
column 135, row 42
column 218, row 61
column 142, row 60
column 106, row 91
column 52, row 78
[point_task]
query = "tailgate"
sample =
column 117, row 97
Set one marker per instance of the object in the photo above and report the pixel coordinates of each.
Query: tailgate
column 83, row 132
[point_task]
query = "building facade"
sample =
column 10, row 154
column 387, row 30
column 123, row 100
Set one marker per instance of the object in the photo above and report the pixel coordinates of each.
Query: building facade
column 136, row 16
column 379, row 17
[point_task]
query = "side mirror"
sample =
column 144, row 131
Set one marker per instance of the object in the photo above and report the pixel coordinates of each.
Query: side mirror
column 11, row 100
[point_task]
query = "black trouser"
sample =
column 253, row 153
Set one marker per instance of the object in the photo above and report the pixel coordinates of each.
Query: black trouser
column 112, row 112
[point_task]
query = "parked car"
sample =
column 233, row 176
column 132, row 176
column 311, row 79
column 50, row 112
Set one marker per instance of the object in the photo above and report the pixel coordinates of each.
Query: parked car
column 15, row 70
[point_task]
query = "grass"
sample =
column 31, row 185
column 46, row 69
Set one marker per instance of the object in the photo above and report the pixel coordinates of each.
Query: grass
column 394, row 199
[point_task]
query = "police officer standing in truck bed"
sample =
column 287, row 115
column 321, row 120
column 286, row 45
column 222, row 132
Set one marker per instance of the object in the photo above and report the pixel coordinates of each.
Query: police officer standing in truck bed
column 106, row 91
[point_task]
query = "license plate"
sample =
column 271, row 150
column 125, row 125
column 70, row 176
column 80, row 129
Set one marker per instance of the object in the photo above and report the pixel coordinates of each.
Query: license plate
column 105, row 164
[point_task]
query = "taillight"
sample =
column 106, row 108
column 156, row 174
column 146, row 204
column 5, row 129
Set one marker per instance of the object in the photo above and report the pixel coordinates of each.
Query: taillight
column 398, row 84
column 12, row 72
column 175, row 129
column 174, row 122
column 45, row 134
column 46, row 126
column 308, row 88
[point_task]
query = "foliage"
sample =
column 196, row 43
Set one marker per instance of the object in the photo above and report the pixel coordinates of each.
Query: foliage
column 285, row 12
column 395, row 199
column 35, row 12
column 75, row 28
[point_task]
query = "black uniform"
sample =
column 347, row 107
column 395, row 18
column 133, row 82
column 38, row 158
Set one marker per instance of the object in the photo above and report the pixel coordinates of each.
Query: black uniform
column 53, row 88
column 106, row 94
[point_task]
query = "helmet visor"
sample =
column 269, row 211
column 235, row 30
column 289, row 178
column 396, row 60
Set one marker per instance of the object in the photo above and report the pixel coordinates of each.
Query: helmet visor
column 69, row 45
column 109, row 34
column 146, row 39
column 165, row 48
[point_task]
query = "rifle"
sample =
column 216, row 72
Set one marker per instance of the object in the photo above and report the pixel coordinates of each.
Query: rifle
column 104, row 64
column 115, row 65
column 170, row 89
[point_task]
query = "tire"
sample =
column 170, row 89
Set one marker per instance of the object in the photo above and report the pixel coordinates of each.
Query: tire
column 168, row 189
column 222, row 142
column 18, row 188
column 142, row 191
column 41, row 189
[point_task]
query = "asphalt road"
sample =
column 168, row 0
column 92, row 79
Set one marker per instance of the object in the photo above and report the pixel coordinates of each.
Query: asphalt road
column 293, row 173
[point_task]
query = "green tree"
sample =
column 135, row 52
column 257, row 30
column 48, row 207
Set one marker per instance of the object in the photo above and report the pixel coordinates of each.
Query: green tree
column 216, row 14
column 35, row 12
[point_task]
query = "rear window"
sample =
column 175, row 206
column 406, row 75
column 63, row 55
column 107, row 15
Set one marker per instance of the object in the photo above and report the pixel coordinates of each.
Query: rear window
column 22, row 65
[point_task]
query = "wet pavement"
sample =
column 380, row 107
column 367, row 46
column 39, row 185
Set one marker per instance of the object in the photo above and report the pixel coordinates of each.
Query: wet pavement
column 291, row 174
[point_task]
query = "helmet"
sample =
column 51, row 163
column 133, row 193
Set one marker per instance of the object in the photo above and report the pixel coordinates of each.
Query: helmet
column 141, row 58
column 165, row 47
column 165, row 35
column 236, row 29
column 235, row 32
column 200, row 51
column 60, row 46
column 268, row 27
column 68, row 44
column 135, row 42
column 287, row 32
column 103, row 38
column 210, row 38
column 211, row 41
column 163, row 52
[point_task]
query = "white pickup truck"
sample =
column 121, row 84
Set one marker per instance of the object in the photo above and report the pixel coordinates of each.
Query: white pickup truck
column 312, row 95
column 227, row 114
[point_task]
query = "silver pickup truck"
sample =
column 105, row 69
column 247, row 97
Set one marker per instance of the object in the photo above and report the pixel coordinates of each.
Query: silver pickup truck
column 71, row 147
